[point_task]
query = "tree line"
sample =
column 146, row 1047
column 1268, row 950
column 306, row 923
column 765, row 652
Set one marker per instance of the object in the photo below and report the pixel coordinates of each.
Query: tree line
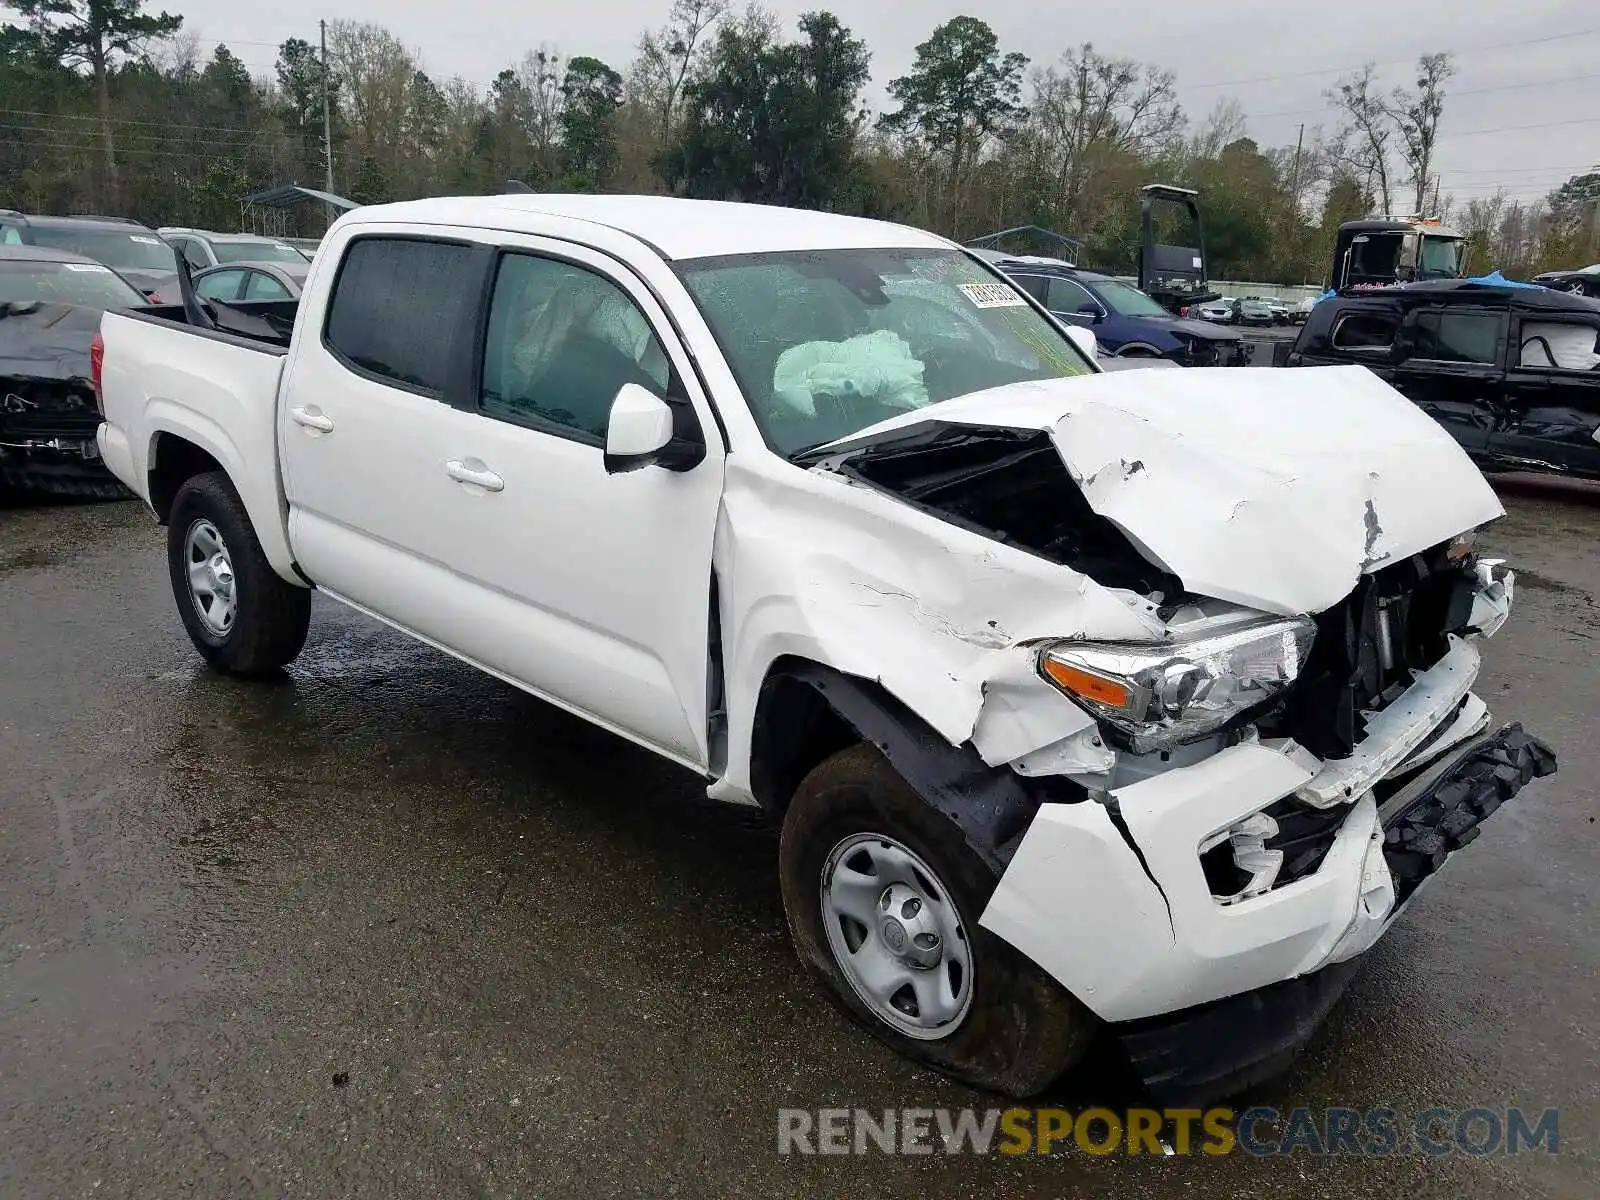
column 106, row 107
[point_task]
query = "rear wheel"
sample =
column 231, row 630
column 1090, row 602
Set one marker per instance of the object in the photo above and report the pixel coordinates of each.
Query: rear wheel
column 883, row 897
column 242, row 617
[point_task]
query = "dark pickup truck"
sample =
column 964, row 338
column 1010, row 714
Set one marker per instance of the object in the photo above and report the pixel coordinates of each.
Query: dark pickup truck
column 1512, row 371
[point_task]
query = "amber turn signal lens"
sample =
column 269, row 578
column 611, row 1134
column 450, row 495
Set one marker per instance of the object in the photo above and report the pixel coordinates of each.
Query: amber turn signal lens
column 1087, row 684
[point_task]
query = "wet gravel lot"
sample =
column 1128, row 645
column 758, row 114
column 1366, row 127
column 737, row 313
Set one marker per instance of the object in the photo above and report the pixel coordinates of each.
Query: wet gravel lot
column 392, row 928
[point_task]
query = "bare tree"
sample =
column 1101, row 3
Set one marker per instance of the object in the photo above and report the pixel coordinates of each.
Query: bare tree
column 1089, row 107
column 1363, row 144
column 540, row 72
column 375, row 70
column 666, row 57
column 1225, row 123
column 1415, row 116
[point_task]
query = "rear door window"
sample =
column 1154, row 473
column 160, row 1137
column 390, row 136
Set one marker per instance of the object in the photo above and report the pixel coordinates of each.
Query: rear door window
column 397, row 307
column 1458, row 335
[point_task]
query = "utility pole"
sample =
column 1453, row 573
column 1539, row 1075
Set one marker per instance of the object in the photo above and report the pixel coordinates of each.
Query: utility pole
column 1294, row 176
column 327, row 119
column 1435, row 196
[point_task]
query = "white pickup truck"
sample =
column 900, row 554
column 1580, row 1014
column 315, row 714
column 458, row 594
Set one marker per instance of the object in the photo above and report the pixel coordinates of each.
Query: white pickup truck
column 1136, row 702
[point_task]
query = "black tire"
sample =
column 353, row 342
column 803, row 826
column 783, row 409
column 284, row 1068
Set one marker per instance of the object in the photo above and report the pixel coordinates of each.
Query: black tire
column 271, row 615
column 1022, row 1030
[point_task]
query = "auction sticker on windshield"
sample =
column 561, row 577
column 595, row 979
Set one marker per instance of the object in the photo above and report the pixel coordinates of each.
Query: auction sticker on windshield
column 144, row 241
column 992, row 295
column 90, row 267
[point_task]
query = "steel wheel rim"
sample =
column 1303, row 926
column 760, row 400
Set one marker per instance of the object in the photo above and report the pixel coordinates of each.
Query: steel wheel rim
column 212, row 587
column 894, row 930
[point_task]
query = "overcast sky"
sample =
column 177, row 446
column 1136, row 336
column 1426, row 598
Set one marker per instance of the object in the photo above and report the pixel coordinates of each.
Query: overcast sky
column 1216, row 47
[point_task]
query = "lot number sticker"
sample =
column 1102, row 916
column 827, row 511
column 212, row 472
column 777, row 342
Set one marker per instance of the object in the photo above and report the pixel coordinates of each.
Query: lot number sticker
column 992, row 295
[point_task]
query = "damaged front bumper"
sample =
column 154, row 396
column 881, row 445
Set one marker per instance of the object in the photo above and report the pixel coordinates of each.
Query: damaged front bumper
column 1120, row 900
column 1218, row 1049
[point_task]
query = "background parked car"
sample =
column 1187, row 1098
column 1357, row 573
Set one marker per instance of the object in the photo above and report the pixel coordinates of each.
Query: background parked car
column 1220, row 311
column 1254, row 312
column 1126, row 322
column 1280, row 310
column 306, row 245
column 201, row 248
column 1583, row 282
column 133, row 250
column 252, row 281
column 1301, row 311
column 50, row 306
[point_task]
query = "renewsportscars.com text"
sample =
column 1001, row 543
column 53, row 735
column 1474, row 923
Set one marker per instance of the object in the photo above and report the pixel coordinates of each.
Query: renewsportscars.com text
column 1375, row 1132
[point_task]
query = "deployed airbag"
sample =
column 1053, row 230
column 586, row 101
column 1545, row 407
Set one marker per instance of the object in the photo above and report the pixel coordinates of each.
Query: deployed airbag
column 874, row 366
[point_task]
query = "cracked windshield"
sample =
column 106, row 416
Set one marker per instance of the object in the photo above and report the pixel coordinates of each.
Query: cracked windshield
column 827, row 343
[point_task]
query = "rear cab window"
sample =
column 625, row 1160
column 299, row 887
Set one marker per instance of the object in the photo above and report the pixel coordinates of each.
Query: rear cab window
column 401, row 307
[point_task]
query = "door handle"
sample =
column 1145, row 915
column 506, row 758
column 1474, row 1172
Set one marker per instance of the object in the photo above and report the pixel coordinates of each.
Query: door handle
column 312, row 417
column 475, row 474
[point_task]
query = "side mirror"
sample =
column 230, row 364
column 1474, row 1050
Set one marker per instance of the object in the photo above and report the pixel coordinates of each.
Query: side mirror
column 1408, row 252
column 646, row 431
column 1089, row 310
column 1085, row 341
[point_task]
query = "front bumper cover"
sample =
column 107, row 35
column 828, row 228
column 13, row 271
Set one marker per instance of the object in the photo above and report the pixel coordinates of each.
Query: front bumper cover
column 1214, row 1050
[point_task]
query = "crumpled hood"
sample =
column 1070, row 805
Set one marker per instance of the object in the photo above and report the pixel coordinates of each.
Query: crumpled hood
column 1272, row 489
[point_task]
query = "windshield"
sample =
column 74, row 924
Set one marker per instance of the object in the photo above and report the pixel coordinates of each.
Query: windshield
column 1129, row 301
column 825, row 343
column 231, row 252
column 1441, row 258
column 88, row 284
column 125, row 251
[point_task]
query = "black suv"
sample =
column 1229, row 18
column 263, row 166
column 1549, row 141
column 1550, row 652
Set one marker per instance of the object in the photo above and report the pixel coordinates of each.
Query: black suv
column 1511, row 370
column 134, row 251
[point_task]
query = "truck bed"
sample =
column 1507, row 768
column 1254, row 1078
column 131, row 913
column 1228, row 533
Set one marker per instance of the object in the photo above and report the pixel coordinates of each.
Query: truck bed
column 212, row 388
column 270, row 323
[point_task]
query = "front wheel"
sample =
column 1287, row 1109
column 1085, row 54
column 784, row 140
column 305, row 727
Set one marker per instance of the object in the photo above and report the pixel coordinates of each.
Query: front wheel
column 242, row 617
column 883, row 898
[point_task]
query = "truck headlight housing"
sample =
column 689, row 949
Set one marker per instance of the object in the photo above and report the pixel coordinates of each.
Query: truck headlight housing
column 1156, row 697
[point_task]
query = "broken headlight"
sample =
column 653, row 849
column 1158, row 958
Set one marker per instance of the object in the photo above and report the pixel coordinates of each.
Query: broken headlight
column 1161, row 696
